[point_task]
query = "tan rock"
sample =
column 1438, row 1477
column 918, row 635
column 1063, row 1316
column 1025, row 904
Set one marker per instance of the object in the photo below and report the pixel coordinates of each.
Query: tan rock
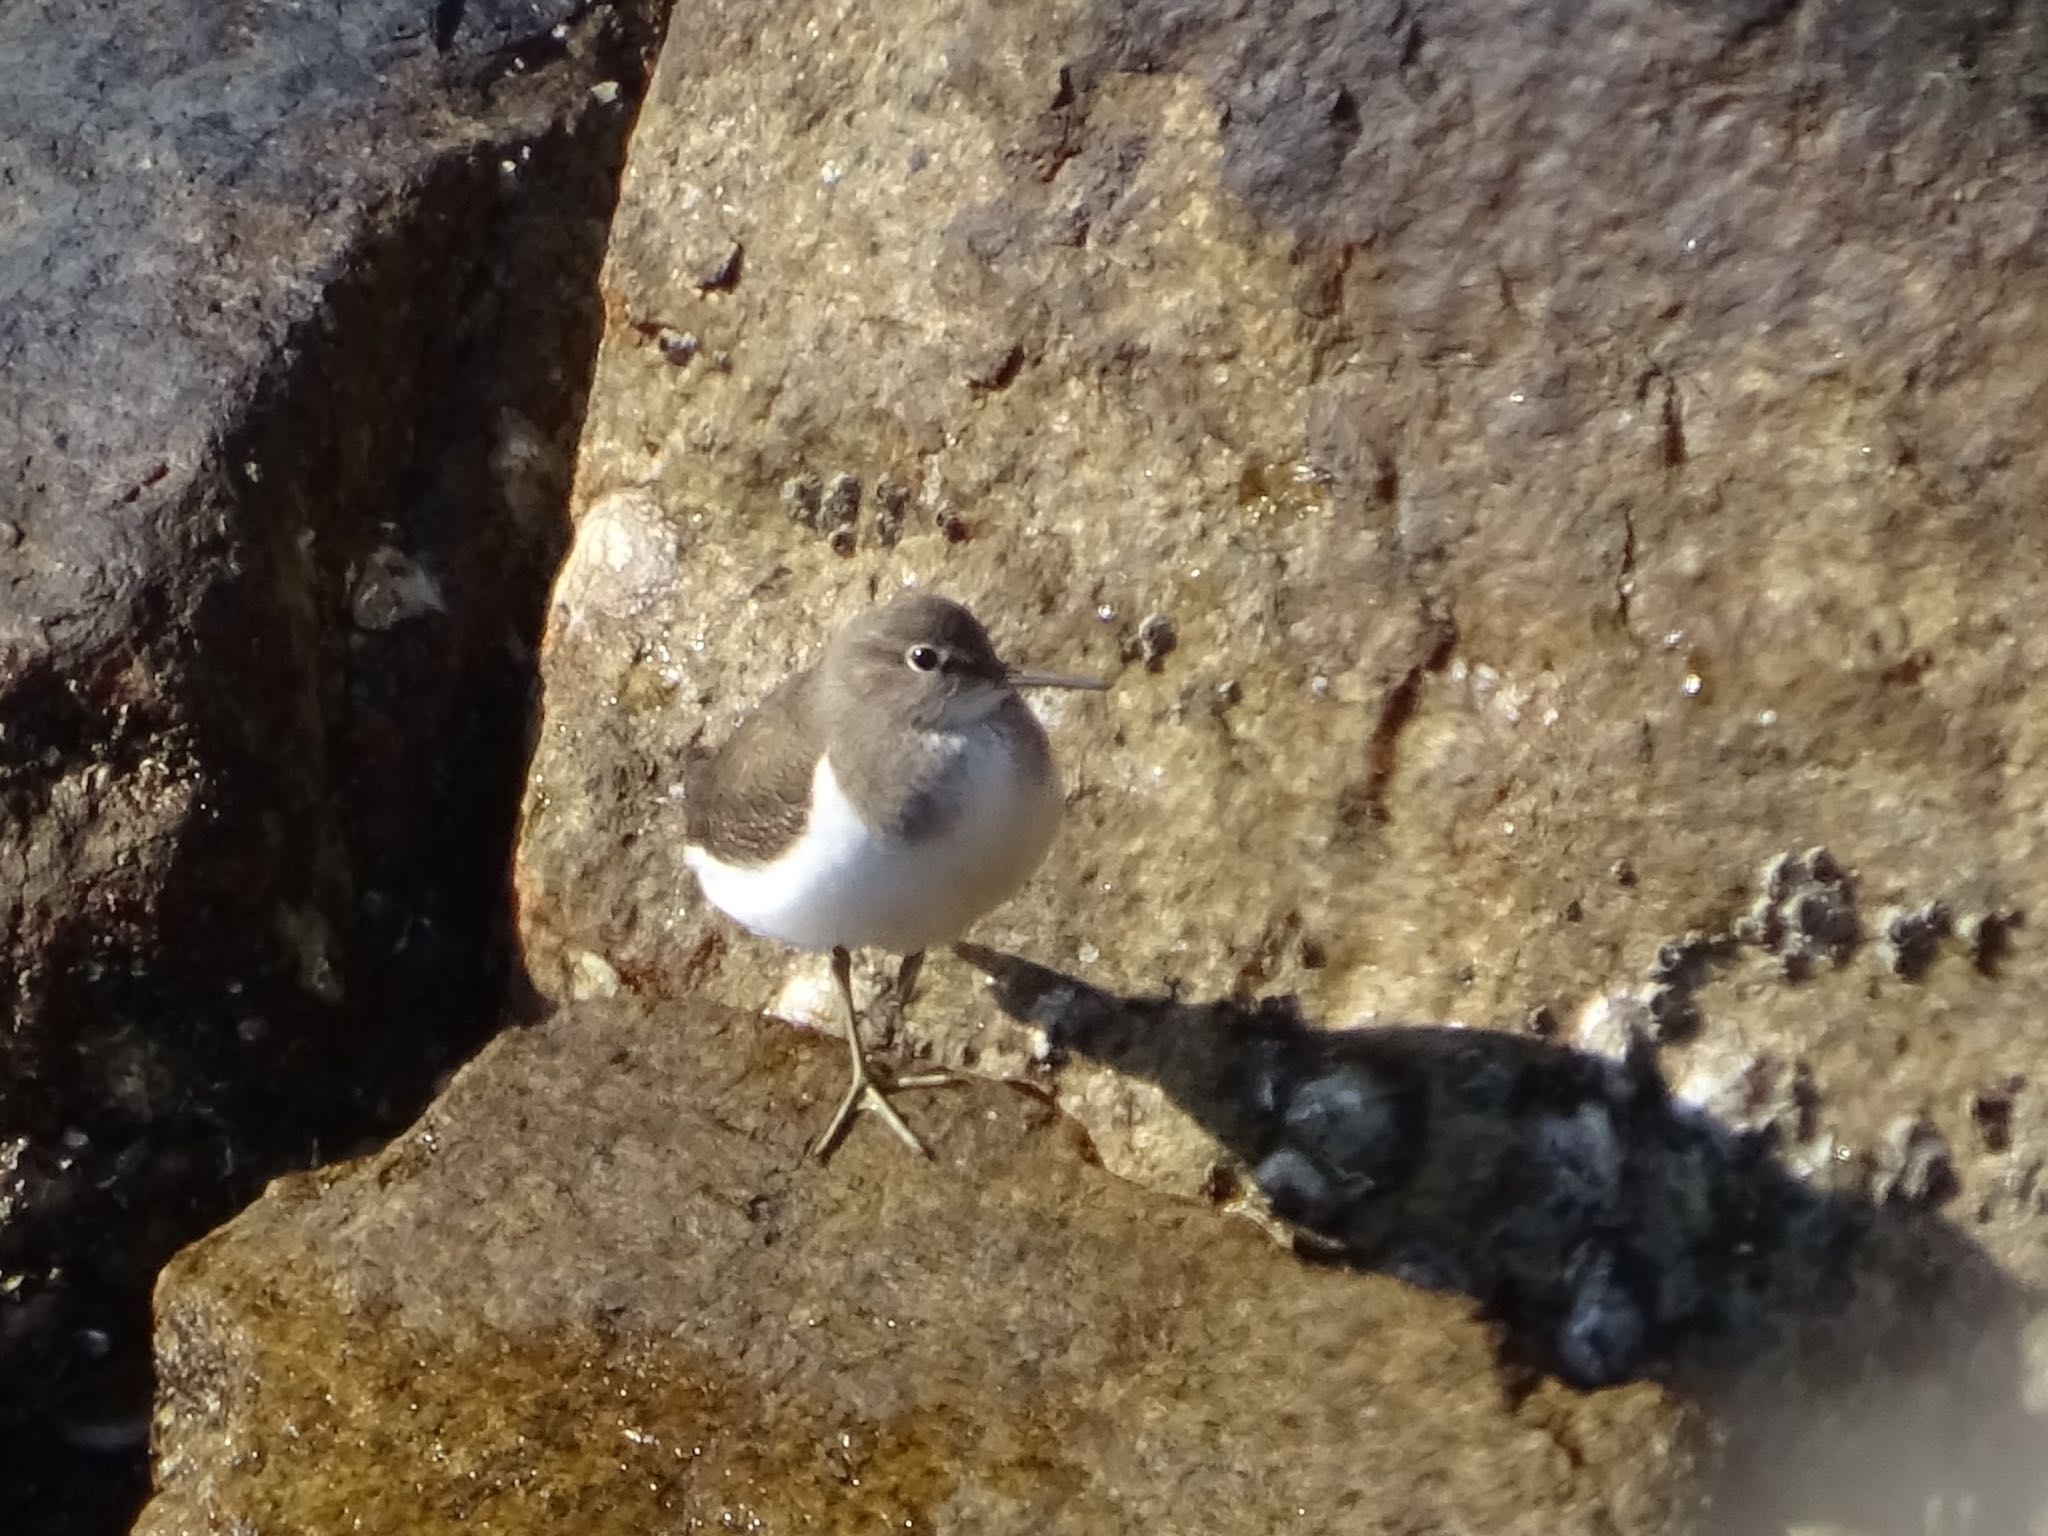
column 1581, row 459
column 656, row 1313
column 1572, row 482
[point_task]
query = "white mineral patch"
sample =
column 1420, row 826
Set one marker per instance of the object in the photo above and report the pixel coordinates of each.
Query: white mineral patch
column 622, row 562
column 391, row 589
column 808, row 997
column 591, row 977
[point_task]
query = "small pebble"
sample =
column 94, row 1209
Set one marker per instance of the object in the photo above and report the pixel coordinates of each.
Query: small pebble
column 1991, row 1113
column 1603, row 1338
column 802, row 496
column 1912, row 939
column 841, row 502
column 724, row 273
column 1297, row 1188
column 892, row 501
column 1348, row 1121
column 677, row 347
column 1676, row 1015
column 1918, row 1169
column 1157, row 640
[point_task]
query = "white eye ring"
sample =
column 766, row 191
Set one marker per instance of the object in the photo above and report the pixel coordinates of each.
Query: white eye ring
column 923, row 658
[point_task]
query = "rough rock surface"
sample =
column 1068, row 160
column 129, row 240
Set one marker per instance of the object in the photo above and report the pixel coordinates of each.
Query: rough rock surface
column 1555, row 485
column 669, row 1319
column 1580, row 454
column 296, row 315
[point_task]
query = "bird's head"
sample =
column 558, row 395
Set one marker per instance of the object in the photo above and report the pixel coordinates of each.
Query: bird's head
column 927, row 659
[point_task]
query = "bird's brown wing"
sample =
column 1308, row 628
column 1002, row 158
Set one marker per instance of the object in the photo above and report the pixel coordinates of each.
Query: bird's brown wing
column 748, row 801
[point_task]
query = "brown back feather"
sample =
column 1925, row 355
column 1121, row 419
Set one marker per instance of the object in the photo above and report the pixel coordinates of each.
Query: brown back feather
column 747, row 801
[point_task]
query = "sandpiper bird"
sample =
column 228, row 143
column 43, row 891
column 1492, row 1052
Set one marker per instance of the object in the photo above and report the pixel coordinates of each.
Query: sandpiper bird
column 885, row 797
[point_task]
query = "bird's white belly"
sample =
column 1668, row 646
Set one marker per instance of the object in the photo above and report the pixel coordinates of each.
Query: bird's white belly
column 843, row 883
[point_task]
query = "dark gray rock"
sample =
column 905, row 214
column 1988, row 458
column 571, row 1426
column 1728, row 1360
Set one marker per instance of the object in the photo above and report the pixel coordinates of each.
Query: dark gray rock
column 297, row 306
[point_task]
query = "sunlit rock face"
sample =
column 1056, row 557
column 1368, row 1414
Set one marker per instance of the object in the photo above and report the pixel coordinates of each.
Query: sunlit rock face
column 1536, row 474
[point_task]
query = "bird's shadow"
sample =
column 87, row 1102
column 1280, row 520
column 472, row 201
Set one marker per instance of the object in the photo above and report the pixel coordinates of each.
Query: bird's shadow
column 1858, row 1362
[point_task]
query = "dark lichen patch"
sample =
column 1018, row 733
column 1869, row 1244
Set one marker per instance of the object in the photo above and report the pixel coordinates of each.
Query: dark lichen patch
column 1912, row 938
column 830, row 507
column 723, row 274
column 1989, row 936
column 1601, row 1223
column 892, row 505
column 1916, row 1166
column 1681, row 967
column 1991, row 1111
column 1805, row 913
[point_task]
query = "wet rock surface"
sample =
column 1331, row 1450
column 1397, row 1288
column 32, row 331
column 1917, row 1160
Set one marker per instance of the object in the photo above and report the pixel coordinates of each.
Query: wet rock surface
column 602, row 1285
column 295, row 323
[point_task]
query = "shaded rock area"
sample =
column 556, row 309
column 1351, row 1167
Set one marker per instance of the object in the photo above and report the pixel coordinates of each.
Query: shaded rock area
column 297, row 312
column 669, row 1319
column 1865, row 1365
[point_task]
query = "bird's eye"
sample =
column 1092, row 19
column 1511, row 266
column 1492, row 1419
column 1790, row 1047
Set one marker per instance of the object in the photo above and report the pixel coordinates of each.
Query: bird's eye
column 922, row 658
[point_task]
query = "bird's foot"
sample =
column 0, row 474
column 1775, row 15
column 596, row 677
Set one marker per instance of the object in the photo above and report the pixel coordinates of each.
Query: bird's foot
column 869, row 1090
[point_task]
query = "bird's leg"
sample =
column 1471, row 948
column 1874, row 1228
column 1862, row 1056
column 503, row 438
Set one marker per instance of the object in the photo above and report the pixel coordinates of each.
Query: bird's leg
column 864, row 1091
column 906, row 979
column 906, row 984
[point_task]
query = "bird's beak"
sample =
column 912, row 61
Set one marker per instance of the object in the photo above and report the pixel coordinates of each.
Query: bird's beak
column 1024, row 677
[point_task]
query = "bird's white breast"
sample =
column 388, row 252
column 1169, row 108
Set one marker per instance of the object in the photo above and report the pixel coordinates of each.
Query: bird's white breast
column 843, row 882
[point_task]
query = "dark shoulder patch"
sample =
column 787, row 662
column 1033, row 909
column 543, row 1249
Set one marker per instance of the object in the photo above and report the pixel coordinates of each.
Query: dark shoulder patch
column 748, row 801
